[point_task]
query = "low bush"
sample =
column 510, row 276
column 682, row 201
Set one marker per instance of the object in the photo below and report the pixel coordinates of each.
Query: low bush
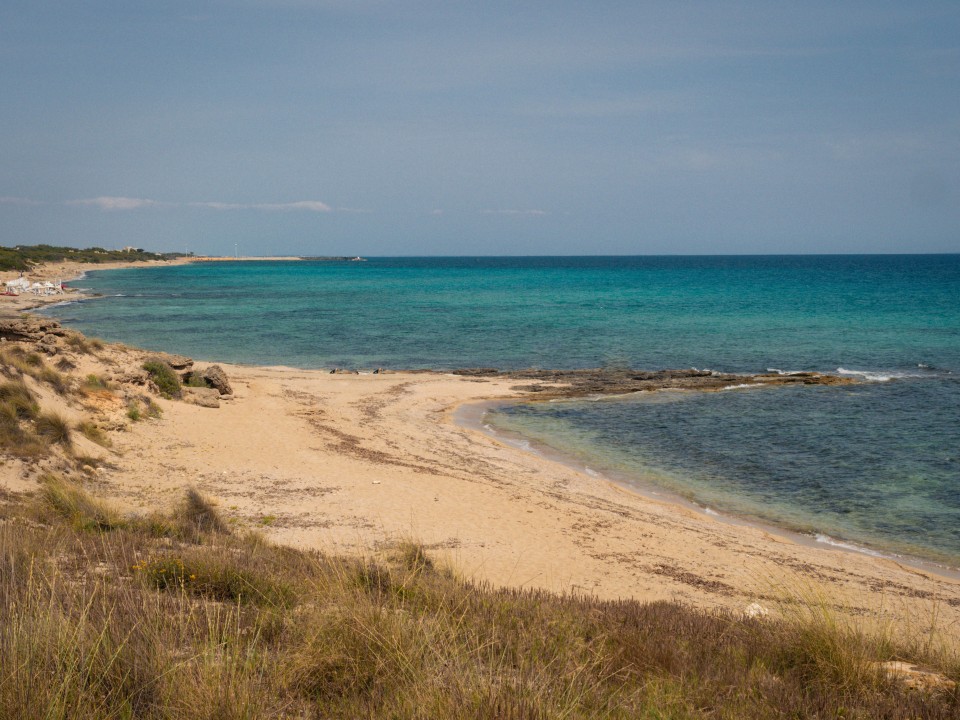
column 164, row 377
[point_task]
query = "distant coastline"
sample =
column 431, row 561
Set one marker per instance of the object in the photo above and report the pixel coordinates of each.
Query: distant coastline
column 277, row 258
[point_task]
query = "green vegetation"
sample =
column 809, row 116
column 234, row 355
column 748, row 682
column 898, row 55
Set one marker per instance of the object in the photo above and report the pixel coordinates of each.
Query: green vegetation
column 164, row 377
column 172, row 616
column 142, row 407
column 92, row 432
column 24, row 257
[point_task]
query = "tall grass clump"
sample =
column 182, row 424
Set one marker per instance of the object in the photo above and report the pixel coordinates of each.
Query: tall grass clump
column 70, row 502
column 197, row 516
column 17, row 396
column 164, row 377
column 53, row 428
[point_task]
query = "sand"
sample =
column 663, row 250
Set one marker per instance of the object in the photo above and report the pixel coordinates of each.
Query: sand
column 353, row 463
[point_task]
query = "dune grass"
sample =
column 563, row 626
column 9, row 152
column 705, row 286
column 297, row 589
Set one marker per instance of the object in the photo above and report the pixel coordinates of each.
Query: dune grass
column 111, row 617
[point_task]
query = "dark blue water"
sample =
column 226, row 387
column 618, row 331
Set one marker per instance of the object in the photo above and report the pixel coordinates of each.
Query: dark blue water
column 875, row 464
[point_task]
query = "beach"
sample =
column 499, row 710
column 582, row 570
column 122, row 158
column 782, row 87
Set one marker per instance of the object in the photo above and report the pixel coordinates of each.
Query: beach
column 353, row 463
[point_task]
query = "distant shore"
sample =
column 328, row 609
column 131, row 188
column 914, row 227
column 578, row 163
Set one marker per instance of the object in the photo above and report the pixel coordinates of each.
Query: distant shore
column 348, row 462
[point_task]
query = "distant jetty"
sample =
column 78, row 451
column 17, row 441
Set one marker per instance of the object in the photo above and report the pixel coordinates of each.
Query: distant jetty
column 273, row 258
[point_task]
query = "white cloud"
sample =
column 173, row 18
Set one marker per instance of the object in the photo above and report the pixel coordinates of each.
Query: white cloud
column 116, row 203
column 7, row 200
column 531, row 213
column 127, row 203
column 307, row 205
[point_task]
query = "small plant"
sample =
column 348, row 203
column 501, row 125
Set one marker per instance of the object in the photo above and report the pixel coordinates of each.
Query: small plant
column 143, row 407
column 195, row 380
column 164, row 377
column 64, row 365
column 90, row 431
column 95, row 382
column 54, row 428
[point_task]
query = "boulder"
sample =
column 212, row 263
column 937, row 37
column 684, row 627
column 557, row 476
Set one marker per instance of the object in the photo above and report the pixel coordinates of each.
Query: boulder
column 204, row 397
column 216, row 378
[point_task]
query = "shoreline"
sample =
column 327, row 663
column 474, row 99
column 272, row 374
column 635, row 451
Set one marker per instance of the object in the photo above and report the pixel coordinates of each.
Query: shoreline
column 347, row 462
column 470, row 415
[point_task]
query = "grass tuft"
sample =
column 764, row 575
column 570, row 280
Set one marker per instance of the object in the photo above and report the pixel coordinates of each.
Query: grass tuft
column 16, row 395
column 198, row 516
column 54, row 428
column 92, row 432
column 75, row 505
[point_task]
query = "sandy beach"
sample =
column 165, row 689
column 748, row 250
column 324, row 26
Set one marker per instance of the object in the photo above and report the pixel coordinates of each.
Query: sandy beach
column 352, row 463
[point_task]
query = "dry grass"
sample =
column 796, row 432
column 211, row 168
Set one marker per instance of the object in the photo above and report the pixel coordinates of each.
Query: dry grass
column 108, row 618
column 53, row 428
column 93, row 433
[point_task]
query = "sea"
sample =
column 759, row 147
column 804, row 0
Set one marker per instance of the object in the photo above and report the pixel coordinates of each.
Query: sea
column 873, row 466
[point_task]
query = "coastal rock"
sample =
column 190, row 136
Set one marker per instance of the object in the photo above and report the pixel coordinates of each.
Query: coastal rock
column 29, row 328
column 216, row 378
column 204, row 397
column 180, row 363
column 916, row 677
column 132, row 376
column 48, row 344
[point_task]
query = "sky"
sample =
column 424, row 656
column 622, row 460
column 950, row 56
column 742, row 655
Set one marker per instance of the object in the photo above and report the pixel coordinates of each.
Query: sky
column 378, row 128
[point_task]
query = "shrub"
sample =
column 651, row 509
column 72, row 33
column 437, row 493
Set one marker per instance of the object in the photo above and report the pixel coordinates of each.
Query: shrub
column 164, row 377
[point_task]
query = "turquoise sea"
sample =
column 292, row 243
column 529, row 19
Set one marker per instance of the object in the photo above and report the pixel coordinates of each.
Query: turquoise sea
column 875, row 464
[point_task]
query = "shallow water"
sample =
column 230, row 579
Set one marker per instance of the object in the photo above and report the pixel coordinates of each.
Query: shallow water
column 875, row 464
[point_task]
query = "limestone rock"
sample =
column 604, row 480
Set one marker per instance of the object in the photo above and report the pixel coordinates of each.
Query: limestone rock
column 133, row 376
column 916, row 677
column 29, row 327
column 180, row 363
column 204, row 397
column 216, row 378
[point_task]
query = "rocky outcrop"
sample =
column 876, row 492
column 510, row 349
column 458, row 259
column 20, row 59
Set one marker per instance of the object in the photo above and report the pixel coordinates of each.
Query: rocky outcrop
column 204, row 397
column 607, row 381
column 29, row 328
column 216, row 378
column 180, row 363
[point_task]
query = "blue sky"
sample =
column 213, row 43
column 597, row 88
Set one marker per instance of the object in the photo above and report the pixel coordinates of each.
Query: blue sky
column 446, row 128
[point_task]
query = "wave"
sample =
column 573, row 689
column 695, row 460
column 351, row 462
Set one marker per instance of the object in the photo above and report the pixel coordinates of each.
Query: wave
column 827, row 540
column 778, row 371
column 883, row 375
